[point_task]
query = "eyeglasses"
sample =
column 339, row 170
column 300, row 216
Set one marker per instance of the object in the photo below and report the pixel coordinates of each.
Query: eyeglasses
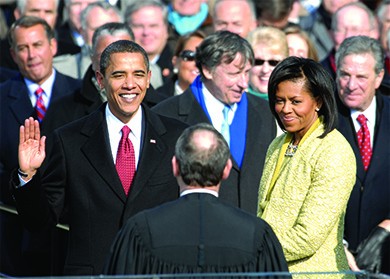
column 260, row 62
column 187, row 55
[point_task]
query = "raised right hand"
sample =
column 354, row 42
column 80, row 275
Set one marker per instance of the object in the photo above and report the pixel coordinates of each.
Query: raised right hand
column 31, row 147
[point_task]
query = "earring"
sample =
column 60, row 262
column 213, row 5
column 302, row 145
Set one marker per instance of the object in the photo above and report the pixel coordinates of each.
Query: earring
column 317, row 109
column 175, row 70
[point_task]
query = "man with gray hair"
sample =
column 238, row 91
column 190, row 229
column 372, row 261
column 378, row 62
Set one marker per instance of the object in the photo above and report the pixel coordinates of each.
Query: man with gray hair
column 148, row 20
column 352, row 19
column 218, row 96
column 364, row 120
column 93, row 16
column 197, row 233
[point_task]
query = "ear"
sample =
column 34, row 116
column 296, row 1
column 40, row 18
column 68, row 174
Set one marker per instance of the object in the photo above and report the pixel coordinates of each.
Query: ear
column 207, row 73
column 319, row 105
column 175, row 167
column 13, row 54
column 100, row 79
column 53, row 46
column 148, row 81
column 174, row 61
column 379, row 78
column 226, row 170
column 17, row 13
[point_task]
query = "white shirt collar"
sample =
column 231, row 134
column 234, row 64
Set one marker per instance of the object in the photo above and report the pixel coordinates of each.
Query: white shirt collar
column 47, row 86
column 215, row 108
column 114, row 129
column 199, row 190
column 370, row 114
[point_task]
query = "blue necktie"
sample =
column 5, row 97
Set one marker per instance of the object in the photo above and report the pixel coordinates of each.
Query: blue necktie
column 225, row 124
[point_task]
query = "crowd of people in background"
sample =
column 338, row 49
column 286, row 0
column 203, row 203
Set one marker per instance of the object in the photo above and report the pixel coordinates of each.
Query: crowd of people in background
column 295, row 94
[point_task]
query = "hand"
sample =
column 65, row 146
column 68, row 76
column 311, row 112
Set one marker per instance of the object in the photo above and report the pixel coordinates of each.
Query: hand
column 31, row 147
column 369, row 252
column 351, row 260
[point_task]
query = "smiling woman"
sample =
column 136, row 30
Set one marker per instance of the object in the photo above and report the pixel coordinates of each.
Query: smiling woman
column 309, row 171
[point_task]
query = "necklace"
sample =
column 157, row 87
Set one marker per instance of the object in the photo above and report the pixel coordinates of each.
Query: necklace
column 291, row 149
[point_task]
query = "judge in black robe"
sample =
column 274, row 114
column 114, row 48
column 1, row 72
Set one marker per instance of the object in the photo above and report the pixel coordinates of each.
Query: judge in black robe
column 197, row 233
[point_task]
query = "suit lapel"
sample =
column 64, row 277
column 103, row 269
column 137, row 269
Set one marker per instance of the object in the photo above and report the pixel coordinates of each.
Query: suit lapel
column 190, row 110
column 97, row 149
column 153, row 149
column 347, row 129
column 382, row 132
column 20, row 105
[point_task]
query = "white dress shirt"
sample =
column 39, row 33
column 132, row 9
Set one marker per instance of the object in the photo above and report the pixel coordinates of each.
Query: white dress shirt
column 47, row 87
column 115, row 134
column 370, row 114
column 215, row 109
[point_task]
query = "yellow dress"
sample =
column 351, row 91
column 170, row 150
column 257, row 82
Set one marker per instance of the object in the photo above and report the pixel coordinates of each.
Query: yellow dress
column 307, row 202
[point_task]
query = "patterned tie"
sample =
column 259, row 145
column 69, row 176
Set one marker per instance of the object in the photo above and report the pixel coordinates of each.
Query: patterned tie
column 225, row 124
column 125, row 160
column 364, row 141
column 40, row 108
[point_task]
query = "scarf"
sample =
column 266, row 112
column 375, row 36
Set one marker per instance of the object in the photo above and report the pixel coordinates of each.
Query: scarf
column 187, row 24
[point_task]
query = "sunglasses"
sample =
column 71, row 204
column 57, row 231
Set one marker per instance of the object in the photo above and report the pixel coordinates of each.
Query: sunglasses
column 260, row 62
column 187, row 55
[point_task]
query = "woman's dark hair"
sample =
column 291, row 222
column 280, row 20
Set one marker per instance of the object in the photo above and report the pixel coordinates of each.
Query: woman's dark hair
column 317, row 81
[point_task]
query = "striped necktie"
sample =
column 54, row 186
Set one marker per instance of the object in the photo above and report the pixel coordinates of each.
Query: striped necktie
column 40, row 108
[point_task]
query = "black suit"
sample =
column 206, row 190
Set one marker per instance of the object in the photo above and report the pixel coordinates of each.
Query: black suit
column 15, row 108
column 241, row 188
column 195, row 234
column 369, row 203
column 81, row 174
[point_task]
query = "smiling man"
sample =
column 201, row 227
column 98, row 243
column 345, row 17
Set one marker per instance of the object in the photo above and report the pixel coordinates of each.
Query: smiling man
column 224, row 60
column 84, row 171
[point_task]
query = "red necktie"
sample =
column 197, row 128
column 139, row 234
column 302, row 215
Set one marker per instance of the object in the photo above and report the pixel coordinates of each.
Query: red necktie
column 364, row 141
column 40, row 108
column 125, row 160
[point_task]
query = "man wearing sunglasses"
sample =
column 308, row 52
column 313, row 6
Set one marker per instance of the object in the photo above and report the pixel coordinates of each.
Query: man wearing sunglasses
column 218, row 96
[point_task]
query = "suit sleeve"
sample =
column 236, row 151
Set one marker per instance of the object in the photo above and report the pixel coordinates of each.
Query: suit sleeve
column 40, row 202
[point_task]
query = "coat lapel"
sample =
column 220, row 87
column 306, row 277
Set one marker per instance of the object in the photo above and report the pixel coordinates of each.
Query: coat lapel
column 153, row 149
column 20, row 105
column 97, row 149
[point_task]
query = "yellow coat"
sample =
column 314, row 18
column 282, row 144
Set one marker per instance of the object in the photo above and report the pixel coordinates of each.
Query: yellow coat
column 307, row 204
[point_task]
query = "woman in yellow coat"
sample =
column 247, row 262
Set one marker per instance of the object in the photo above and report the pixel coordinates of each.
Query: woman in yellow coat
column 309, row 171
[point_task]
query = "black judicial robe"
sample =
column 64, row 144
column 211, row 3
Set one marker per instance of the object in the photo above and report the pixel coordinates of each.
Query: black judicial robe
column 195, row 234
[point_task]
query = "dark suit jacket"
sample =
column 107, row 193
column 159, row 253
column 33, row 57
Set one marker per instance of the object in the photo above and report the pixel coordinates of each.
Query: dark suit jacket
column 369, row 203
column 15, row 108
column 241, row 188
column 81, row 174
column 195, row 234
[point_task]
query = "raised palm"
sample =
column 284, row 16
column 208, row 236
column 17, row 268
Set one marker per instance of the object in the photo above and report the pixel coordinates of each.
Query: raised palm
column 31, row 146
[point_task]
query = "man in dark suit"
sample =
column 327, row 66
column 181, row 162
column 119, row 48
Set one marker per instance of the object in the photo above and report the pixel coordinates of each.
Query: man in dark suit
column 84, row 170
column 367, row 223
column 224, row 60
column 32, row 48
column 197, row 233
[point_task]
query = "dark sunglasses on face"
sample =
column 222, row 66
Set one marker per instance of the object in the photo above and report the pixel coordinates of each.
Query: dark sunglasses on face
column 187, row 55
column 260, row 62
